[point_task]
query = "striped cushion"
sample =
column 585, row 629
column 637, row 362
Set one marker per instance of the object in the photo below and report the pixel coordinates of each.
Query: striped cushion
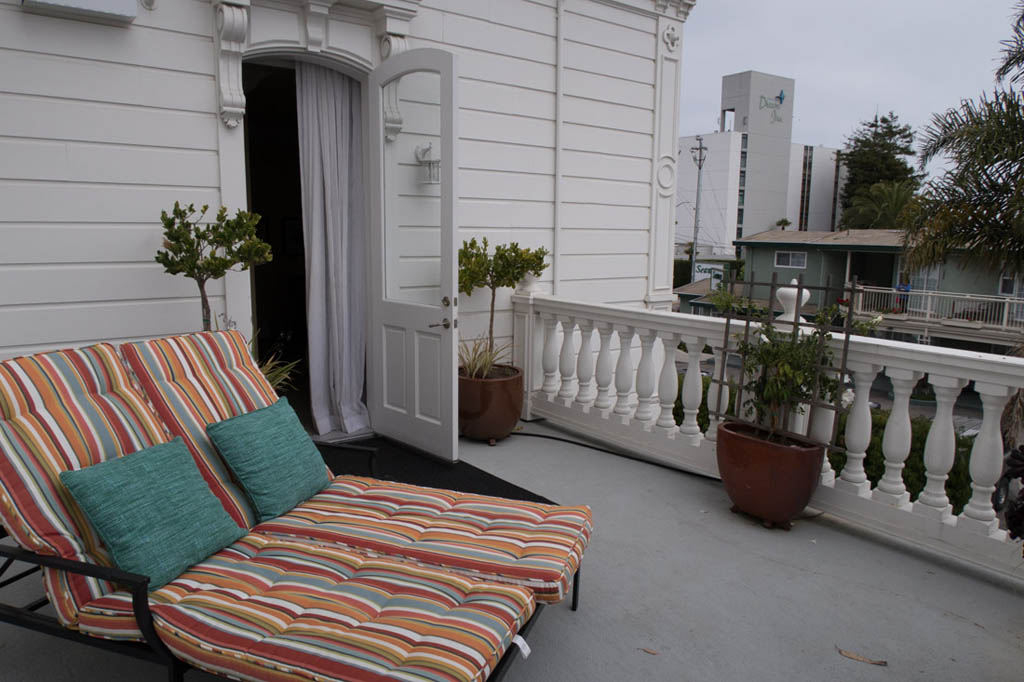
column 272, row 609
column 508, row 541
column 197, row 379
column 61, row 411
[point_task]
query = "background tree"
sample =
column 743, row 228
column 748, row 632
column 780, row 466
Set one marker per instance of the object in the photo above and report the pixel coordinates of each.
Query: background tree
column 975, row 207
column 884, row 205
column 205, row 251
column 878, row 151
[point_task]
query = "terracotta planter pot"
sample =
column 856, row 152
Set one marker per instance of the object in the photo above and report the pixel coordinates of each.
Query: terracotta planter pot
column 770, row 481
column 489, row 408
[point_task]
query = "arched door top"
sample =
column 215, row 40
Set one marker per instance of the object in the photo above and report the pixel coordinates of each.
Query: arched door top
column 328, row 32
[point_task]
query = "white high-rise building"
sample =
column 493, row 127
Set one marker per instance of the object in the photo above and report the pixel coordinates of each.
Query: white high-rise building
column 754, row 176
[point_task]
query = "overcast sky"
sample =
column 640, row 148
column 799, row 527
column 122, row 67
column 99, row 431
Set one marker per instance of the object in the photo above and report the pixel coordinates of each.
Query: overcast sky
column 849, row 58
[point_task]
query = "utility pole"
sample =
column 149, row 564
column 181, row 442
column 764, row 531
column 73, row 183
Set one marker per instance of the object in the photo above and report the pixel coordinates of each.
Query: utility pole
column 699, row 155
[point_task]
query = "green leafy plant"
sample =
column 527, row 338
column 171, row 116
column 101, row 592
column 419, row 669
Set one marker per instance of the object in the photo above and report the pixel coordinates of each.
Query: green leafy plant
column 479, row 269
column 477, row 361
column 786, row 368
column 207, row 251
column 279, row 373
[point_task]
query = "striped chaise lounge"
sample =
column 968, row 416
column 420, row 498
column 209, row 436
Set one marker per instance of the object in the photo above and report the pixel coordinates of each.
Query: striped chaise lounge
column 301, row 597
column 196, row 379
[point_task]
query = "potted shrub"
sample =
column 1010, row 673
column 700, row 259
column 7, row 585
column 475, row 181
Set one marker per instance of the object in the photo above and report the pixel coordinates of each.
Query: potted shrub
column 768, row 471
column 490, row 391
column 206, row 251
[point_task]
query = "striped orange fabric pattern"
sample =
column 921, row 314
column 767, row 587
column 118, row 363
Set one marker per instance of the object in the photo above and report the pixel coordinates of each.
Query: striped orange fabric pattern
column 198, row 379
column 62, row 411
column 509, row 541
column 272, row 609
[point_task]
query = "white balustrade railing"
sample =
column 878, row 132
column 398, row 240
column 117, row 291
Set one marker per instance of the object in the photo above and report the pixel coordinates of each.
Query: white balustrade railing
column 625, row 397
column 956, row 309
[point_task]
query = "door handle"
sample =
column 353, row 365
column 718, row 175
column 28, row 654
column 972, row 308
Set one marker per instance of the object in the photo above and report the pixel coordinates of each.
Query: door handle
column 446, row 323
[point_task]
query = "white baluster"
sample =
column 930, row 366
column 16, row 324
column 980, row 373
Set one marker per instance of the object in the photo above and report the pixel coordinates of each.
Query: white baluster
column 820, row 431
column 693, row 389
column 896, row 439
column 646, row 399
column 714, row 391
column 986, row 463
column 858, row 431
column 939, row 450
column 549, row 359
column 624, row 372
column 567, row 360
column 604, row 368
column 668, row 384
column 585, row 365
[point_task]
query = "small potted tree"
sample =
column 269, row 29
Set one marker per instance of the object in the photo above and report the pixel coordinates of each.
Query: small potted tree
column 206, row 251
column 490, row 391
column 769, row 471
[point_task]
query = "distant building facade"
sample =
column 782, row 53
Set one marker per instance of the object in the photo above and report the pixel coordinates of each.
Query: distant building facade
column 754, row 175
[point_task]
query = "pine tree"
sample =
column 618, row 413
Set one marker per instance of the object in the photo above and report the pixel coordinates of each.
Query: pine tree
column 877, row 152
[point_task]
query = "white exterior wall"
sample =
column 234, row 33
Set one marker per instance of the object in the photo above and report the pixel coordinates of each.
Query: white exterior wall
column 769, row 125
column 823, row 195
column 719, row 193
column 101, row 127
column 104, row 126
column 822, row 190
column 795, row 174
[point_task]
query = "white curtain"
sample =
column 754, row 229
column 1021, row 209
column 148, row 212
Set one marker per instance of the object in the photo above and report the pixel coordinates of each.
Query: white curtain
column 334, row 231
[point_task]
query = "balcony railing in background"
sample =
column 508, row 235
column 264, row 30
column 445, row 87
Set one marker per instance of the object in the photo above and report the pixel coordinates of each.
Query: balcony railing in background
column 966, row 311
column 578, row 377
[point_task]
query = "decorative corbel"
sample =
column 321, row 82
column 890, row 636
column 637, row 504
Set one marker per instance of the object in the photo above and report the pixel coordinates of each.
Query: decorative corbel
column 392, row 26
column 315, row 14
column 681, row 7
column 231, row 34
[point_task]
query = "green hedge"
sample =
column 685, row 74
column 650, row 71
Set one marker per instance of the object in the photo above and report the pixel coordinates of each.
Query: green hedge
column 958, row 484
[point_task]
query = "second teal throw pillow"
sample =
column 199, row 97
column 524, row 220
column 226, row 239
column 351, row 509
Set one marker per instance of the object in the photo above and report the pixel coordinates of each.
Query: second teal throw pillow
column 272, row 456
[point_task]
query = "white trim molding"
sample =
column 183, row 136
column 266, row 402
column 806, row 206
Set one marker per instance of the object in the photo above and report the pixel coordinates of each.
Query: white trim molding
column 678, row 9
column 663, row 173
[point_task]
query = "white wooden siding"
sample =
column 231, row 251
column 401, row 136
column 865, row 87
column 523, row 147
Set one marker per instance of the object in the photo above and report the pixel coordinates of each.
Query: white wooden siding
column 101, row 128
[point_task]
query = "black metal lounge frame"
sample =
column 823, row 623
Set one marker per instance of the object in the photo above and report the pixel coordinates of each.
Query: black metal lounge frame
column 153, row 649
column 26, row 616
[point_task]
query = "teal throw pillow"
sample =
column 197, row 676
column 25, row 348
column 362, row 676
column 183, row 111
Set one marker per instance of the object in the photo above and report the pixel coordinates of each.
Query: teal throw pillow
column 153, row 511
column 272, row 456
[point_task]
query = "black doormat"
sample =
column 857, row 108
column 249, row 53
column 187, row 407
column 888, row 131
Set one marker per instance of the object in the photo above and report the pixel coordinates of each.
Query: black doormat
column 392, row 461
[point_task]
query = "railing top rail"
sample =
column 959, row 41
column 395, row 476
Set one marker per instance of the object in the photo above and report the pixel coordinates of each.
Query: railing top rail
column 947, row 294
column 974, row 365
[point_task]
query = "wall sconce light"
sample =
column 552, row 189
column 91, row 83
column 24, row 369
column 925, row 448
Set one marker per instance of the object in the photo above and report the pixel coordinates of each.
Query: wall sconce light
column 429, row 158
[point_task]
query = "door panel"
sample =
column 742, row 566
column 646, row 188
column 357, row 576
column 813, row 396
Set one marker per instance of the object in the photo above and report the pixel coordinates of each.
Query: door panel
column 412, row 381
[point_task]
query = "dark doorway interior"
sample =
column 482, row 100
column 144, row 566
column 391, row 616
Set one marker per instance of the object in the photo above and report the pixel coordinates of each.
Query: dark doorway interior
column 279, row 287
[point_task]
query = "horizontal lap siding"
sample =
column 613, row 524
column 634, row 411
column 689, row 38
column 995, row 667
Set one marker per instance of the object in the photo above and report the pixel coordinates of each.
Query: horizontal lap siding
column 507, row 131
column 606, row 163
column 102, row 128
column 506, row 51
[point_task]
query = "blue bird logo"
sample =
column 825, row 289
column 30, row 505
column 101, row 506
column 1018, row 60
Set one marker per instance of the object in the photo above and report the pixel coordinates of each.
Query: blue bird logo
column 781, row 97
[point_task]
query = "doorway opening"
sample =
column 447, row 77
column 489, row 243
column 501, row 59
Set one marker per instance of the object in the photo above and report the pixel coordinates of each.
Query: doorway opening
column 272, row 162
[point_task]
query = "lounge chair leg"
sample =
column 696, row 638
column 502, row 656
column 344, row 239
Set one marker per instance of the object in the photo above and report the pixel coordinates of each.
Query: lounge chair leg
column 576, row 589
column 176, row 671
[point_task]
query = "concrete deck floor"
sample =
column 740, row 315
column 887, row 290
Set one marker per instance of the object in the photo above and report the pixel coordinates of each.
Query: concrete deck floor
column 677, row 588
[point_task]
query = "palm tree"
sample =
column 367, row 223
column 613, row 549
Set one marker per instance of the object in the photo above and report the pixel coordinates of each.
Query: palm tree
column 977, row 206
column 883, row 205
column 1013, row 51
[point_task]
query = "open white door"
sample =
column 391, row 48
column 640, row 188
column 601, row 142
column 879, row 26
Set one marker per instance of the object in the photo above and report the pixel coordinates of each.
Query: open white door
column 412, row 345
